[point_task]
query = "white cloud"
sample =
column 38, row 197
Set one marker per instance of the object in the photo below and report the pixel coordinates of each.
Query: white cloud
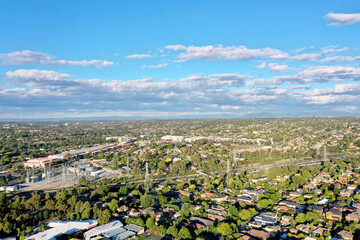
column 341, row 59
column 138, row 56
column 24, row 57
column 38, row 58
column 261, row 66
column 314, row 56
column 242, row 53
column 35, row 77
column 155, row 66
column 175, row 47
column 274, row 67
column 341, row 19
column 340, row 93
column 301, row 49
column 230, row 107
column 97, row 63
column 236, row 53
column 52, row 92
column 313, row 74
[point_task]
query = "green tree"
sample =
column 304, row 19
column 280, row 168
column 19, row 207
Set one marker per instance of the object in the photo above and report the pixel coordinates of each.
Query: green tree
column 123, row 190
column 233, row 211
column 140, row 222
column 186, row 210
column 147, row 201
column 173, row 231
column 300, row 218
column 104, row 217
column 184, row 233
column 150, row 222
column 224, row 229
column 86, row 214
column 245, row 214
column 160, row 229
column 83, row 180
column 114, row 204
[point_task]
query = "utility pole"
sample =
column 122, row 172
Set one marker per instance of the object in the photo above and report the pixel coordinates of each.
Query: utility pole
column 64, row 174
column 147, row 172
column 234, row 159
column 128, row 166
column 147, row 176
column 228, row 171
column 27, row 176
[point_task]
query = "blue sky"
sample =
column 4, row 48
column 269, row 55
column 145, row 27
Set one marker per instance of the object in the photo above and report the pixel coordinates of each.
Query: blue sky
column 160, row 59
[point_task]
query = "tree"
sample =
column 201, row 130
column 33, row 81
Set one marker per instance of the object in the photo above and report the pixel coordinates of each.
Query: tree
column 224, row 229
column 264, row 203
column 150, row 222
column 147, row 201
column 233, row 211
column 162, row 199
column 179, row 187
column 82, row 180
column 186, row 210
column 306, row 174
column 104, row 217
column 113, row 205
column 184, row 233
column 123, row 190
column 140, row 222
column 160, row 229
column 86, row 214
column 173, row 231
column 245, row 214
column 300, row 218
column 312, row 216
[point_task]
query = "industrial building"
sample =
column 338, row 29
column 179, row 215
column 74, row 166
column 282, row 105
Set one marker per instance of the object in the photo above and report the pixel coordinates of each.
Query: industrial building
column 114, row 230
column 59, row 228
column 39, row 162
column 43, row 161
column 83, row 151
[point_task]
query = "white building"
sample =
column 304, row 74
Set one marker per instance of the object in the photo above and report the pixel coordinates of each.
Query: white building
column 173, row 138
column 102, row 229
column 59, row 228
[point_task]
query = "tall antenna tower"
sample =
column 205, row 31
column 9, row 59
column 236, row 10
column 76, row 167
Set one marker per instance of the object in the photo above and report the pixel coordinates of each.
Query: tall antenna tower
column 50, row 174
column 128, row 166
column 147, row 176
column 27, row 176
column 228, row 171
column 234, row 159
column 325, row 153
column 64, row 174
column 318, row 150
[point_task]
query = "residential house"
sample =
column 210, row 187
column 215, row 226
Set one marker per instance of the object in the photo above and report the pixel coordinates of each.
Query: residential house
column 199, row 223
column 346, row 192
column 333, row 214
column 286, row 220
column 255, row 233
column 345, row 235
column 220, row 198
column 305, row 228
column 353, row 217
column 266, row 218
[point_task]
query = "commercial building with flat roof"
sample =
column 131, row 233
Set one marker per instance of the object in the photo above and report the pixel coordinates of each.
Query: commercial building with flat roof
column 59, row 228
column 93, row 233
